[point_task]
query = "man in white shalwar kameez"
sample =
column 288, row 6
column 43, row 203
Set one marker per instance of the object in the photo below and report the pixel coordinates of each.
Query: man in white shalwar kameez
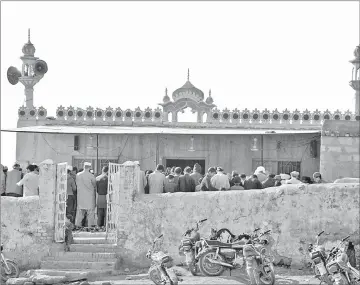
column 86, row 196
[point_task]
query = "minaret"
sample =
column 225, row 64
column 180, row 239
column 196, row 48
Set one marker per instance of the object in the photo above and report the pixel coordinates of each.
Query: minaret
column 355, row 81
column 32, row 71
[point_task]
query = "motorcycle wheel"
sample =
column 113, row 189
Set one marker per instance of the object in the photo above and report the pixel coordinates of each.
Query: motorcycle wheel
column 172, row 276
column 194, row 268
column 208, row 268
column 15, row 272
column 155, row 276
column 267, row 279
column 341, row 281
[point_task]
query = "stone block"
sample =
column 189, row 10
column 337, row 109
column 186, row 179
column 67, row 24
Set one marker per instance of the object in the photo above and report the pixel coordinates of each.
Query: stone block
column 17, row 281
column 46, row 279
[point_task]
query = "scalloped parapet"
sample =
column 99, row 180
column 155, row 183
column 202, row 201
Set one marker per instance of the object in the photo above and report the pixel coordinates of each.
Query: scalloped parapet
column 215, row 117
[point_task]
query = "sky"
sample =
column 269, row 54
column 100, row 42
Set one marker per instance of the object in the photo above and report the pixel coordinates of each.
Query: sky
column 292, row 55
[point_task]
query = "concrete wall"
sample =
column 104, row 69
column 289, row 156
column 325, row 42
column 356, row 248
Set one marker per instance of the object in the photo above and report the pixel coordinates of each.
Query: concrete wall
column 27, row 223
column 231, row 152
column 294, row 215
column 340, row 155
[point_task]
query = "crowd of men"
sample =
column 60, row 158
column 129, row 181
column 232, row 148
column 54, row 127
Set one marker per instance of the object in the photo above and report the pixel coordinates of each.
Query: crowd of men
column 191, row 180
column 86, row 192
column 15, row 183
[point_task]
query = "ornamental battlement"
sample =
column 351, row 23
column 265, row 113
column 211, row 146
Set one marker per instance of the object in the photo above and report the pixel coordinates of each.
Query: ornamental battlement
column 236, row 118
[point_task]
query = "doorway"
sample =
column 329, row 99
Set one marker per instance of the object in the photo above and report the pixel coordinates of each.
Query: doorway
column 186, row 162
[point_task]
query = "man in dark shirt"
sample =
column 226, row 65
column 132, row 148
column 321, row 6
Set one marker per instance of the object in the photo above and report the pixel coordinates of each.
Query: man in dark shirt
column 270, row 181
column 206, row 181
column 186, row 182
column 101, row 189
column 252, row 183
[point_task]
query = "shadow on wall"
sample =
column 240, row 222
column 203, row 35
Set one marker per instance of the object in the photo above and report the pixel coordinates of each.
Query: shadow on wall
column 294, row 215
column 25, row 240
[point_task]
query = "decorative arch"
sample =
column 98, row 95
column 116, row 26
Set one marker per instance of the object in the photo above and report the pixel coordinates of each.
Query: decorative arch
column 200, row 107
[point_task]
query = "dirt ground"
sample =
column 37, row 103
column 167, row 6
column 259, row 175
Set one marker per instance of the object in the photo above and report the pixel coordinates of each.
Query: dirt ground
column 238, row 277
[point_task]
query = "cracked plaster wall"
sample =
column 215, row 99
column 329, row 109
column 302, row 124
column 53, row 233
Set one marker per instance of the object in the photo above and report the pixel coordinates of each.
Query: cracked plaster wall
column 294, row 215
column 27, row 223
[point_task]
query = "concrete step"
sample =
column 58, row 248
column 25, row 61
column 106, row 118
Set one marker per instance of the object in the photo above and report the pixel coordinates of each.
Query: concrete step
column 76, row 274
column 91, row 240
column 108, row 248
column 89, row 256
column 77, row 265
column 89, row 234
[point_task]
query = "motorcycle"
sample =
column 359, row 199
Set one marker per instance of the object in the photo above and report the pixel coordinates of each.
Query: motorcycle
column 160, row 271
column 191, row 246
column 318, row 259
column 217, row 256
column 9, row 268
column 339, row 267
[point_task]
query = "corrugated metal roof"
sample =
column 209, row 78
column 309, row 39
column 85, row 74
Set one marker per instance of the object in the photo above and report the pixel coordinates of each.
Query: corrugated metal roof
column 151, row 130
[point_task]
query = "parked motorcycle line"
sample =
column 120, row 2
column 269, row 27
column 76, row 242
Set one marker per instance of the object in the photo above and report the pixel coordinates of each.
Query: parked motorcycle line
column 190, row 246
column 250, row 250
column 160, row 271
column 9, row 269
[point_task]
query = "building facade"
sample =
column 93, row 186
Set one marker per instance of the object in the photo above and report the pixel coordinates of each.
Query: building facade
column 241, row 140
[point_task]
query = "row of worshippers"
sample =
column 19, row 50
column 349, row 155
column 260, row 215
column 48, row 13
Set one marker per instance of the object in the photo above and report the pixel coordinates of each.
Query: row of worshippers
column 86, row 196
column 216, row 179
column 15, row 183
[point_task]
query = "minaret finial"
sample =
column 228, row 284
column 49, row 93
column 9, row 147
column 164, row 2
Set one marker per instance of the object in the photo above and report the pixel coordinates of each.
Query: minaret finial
column 188, row 78
column 165, row 91
column 210, row 93
column 29, row 35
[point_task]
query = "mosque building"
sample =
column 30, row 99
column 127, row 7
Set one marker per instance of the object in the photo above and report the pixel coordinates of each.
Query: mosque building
column 242, row 140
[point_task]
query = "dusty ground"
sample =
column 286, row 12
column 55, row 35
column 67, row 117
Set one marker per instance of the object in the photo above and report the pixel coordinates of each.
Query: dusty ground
column 283, row 276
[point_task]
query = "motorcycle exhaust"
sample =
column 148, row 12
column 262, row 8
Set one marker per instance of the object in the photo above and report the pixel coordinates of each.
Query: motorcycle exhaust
column 220, row 263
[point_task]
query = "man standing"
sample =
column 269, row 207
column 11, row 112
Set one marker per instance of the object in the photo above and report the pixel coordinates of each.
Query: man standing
column 13, row 177
column 186, row 182
column 220, row 181
column 30, row 181
column 196, row 175
column 206, row 182
column 294, row 178
column 71, row 194
column 253, row 183
column 86, row 189
column 142, row 180
column 270, row 181
column 101, row 188
column 3, row 181
column 157, row 180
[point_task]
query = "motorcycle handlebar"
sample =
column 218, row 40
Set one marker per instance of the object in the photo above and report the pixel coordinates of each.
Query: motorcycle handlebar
column 201, row 221
column 264, row 233
column 256, row 229
column 344, row 239
column 320, row 233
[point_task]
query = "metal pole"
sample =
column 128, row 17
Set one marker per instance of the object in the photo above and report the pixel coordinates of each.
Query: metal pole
column 157, row 149
column 97, row 154
column 262, row 149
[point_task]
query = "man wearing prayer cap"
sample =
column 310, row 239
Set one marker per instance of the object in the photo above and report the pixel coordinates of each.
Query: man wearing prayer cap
column 294, row 178
column 142, row 179
column 86, row 196
column 284, row 177
column 260, row 173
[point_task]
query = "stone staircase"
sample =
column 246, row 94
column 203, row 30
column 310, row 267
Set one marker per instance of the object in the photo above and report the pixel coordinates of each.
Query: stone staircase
column 90, row 256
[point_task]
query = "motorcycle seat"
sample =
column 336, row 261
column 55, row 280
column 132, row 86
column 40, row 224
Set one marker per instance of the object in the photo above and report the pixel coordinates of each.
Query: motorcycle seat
column 216, row 243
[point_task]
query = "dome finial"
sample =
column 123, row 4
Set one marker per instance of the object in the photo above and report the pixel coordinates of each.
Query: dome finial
column 209, row 92
column 29, row 35
column 166, row 92
column 188, row 77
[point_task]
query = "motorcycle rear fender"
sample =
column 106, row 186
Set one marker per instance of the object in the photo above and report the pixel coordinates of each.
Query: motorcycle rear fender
column 333, row 268
column 249, row 251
